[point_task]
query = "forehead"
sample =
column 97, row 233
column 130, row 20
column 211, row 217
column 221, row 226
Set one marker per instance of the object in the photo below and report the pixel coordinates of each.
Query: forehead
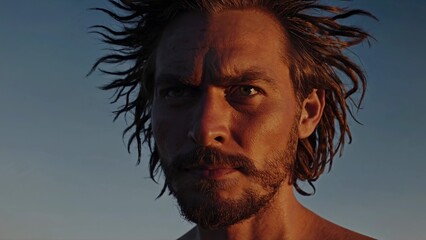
column 227, row 42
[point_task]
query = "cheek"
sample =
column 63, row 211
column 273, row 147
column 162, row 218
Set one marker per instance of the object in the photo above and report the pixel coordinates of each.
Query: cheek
column 168, row 131
column 266, row 131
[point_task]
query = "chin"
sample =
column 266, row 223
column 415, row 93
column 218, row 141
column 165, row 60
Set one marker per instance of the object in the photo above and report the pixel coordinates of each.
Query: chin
column 219, row 205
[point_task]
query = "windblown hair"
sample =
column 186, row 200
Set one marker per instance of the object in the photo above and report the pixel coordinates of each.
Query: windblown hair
column 318, row 47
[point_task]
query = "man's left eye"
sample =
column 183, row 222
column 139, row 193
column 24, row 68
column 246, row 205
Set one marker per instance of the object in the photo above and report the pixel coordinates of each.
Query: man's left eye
column 247, row 91
column 243, row 94
column 243, row 91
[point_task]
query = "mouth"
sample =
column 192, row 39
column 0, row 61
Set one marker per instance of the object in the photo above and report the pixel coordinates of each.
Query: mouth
column 211, row 172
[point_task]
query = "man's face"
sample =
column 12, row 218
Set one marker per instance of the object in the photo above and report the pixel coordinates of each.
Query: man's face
column 224, row 114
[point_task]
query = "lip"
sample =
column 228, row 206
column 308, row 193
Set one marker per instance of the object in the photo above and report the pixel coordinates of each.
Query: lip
column 209, row 172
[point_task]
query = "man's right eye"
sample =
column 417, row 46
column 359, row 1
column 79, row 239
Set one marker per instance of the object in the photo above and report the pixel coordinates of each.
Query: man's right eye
column 176, row 92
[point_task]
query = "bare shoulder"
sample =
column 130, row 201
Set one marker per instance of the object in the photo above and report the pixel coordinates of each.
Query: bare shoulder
column 331, row 231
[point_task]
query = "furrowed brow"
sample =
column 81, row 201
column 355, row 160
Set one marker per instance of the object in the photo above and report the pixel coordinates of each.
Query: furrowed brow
column 170, row 78
column 248, row 76
column 244, row 77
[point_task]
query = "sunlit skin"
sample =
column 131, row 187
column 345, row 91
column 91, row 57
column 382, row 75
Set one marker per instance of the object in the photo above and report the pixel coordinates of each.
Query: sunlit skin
column 223, row 81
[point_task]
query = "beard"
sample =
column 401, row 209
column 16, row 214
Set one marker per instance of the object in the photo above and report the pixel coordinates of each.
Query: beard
column 199, row 200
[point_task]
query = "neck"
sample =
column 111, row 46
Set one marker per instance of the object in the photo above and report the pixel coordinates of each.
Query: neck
column 281, row 219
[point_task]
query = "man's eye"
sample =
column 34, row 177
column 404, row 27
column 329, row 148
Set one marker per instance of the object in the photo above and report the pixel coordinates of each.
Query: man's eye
column 243, row 91
column 247, row 91
column 177, row 92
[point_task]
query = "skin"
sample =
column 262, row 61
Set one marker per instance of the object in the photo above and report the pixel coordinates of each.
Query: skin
column 200, row 101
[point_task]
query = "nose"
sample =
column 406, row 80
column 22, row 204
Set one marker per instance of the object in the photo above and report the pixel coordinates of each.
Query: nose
column 210, row 120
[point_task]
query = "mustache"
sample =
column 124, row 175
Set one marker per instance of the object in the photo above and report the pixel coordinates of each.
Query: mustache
column 207, row 156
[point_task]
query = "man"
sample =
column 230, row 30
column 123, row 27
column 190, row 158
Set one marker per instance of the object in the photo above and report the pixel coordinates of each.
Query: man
column 241, row 99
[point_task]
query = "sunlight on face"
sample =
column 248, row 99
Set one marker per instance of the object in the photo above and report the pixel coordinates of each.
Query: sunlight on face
column 222, row 86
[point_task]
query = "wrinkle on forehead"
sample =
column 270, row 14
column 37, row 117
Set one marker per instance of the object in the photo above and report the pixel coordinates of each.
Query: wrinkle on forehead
column 217, row 42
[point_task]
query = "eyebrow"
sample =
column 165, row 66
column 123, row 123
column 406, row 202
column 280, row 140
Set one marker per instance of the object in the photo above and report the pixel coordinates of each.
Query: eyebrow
column 249, row 75
column 170, row 78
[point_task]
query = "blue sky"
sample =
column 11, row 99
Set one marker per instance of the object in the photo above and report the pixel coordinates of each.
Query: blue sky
column 65, row 173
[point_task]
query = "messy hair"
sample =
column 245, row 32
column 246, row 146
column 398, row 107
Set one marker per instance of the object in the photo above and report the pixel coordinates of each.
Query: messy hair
column 318, row 47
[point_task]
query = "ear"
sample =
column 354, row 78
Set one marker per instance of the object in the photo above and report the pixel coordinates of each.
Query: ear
column 312, row 109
